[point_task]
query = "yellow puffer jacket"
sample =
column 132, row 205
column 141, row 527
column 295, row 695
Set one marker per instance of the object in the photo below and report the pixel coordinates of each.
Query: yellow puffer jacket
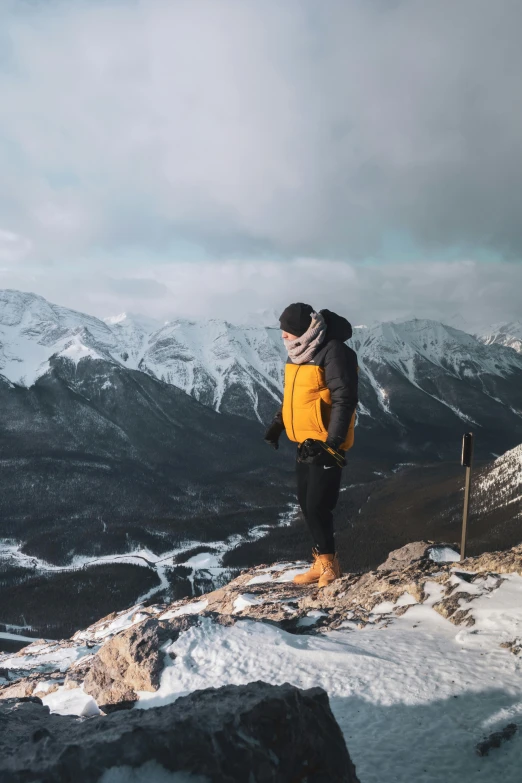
column 307, row 406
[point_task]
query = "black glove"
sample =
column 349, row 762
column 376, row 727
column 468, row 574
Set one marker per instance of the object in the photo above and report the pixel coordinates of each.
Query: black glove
column 273, row 434
column 314, row 452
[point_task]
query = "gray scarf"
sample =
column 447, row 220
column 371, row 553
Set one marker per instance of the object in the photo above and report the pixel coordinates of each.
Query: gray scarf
column 303, row 348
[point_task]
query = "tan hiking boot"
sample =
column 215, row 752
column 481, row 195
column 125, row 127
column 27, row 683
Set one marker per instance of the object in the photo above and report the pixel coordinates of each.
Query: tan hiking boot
column 330, row 569
column 312, row 575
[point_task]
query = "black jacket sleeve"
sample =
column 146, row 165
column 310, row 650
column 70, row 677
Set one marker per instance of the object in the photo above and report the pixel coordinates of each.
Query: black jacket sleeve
column 277, row 421
column 340, row 371
column 276, row 426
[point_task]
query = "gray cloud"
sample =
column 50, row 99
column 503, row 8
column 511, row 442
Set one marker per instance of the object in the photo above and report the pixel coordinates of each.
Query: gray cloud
column 258, row 127
column 465, row 293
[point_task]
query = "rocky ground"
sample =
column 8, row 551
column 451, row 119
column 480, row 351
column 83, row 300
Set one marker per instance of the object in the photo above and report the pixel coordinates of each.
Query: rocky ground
column 121, row 654
column 255, row 732
column 151, row 655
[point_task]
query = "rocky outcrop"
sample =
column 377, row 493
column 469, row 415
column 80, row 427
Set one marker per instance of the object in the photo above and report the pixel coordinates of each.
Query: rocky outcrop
column 123, row 654
column 496, row 739
column 406, row 555
column 30, row 686
column 255, row 732
column 131, row 661
column 507, row 562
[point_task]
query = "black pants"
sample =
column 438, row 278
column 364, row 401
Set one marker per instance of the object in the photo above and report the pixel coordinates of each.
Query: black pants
column 317, row 493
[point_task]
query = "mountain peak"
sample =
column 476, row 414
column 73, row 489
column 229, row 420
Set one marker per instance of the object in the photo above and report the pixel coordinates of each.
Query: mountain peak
column 116, row 319
column 508, row 334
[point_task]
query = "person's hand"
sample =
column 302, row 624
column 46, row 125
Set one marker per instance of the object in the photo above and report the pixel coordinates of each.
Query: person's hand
column 310, row 451
column 272, row 435
column 313, row 452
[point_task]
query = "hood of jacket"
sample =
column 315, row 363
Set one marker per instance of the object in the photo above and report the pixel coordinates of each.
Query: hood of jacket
column 337, row 327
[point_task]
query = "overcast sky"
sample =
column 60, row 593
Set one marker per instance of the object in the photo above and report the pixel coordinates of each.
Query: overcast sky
column 217, row 157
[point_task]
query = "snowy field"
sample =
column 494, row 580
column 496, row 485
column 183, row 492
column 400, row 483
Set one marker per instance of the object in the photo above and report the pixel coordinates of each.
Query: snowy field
column 413, row 699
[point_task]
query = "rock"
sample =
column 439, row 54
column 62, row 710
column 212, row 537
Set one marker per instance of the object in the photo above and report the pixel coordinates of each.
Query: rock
column 515, row 646
column 506, row 562
column 450, row 609
column 131, row 661
column 406, row 556
column 496, row 739
column 261, row 732
column 28, row 686
column 77, row 672
column 20, row 689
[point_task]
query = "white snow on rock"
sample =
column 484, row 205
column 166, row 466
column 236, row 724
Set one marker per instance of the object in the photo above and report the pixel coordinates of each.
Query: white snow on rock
column 71, row 701
column 268, row 574
column 288, row 575
column 38, row 655
column 120, row 623
column 193, row 608
column 203, row 358
column 245, row 601
column 497, row 614
column 311, row 618
column 412, row 692
column 400, row 344
column 259, row 579
column 443, row 554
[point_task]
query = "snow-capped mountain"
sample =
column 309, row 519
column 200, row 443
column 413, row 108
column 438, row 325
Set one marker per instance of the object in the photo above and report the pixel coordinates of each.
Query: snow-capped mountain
column 421, row 382
column 426, row 382
column 32, row 330
column 500, row 485
column 229, row 368
column 232, row 369
column 508, row 334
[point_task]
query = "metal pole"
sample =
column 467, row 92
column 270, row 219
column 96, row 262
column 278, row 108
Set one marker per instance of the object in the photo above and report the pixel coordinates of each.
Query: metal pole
column 467, row 460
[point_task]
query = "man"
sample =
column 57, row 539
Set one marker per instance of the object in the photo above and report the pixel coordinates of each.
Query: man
column 318, row 412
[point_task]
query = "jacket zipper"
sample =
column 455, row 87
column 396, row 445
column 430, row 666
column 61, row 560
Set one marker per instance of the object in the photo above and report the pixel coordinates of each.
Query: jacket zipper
column 292, row 402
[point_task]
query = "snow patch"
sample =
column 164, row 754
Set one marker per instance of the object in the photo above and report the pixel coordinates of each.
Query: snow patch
column 71, row 701
column 311, row 618
column 443, row 554
column 193, row 608
column 245, row 601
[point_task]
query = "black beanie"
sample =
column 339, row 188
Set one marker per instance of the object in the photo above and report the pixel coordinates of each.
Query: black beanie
column 296, row 318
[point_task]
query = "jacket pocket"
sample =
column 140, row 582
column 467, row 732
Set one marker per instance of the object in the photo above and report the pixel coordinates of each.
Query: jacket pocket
column 319, row 416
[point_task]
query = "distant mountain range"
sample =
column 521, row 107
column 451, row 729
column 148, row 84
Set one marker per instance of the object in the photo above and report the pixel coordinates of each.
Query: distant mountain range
column 421, row 382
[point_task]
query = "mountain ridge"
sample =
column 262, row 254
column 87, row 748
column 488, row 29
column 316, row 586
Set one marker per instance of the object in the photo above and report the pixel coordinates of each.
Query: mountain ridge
column 239, row 369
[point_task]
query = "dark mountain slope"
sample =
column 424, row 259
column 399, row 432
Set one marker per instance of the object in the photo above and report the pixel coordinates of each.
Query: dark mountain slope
column 132, row 455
